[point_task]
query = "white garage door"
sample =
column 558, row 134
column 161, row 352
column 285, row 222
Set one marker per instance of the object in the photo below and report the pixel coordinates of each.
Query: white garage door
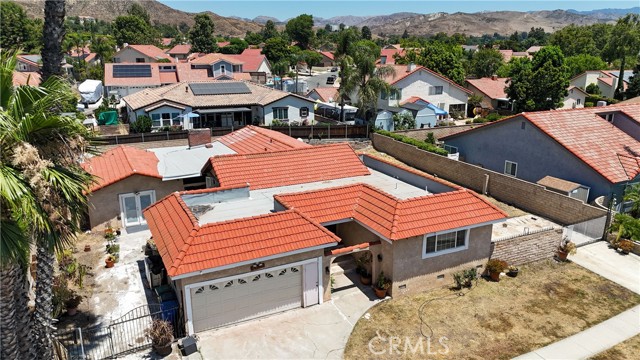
column 223, row 303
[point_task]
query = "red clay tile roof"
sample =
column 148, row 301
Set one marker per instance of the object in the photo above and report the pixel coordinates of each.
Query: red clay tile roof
column 209, row 59
column 223, row 43
column 413, row 100
column 186, row 247
column 391, row 217
column 251, row 52
column 168, row 77
column 328, row 54
column 326, row 93
column 120, row 163
column 494, row 89
column 288, row 167
column 609, row 81
column 252, row 139
column 151, row 51
column 26, row 78
column 388, row 53
column 180, row 49
column 402, row 72
column 250, row 62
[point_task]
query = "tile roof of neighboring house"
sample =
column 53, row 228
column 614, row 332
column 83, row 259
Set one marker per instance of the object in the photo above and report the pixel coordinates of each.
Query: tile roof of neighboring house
column 26, row 78
column 576, row 130
column 328, row 54
column 391, row 217
column 168, row 77
column 249, row 62
column 413, row 100
column 211, row 58
column 251, row 139
column 534, row 49
column 186, row 247
column 388, row 54
column 402, row 72
column 609, row 81
column 557, row 184
column 166, row 41
column 326, row 93
column 252, row 52
column 506, row 55
column 494, row 89
column 120, row 163
column 180, row 49
column 288, row 167
column 90, row 57
column 577, row 89
column 151, row 51
column 223, row 43
column 29, row 59
column 181, row 93
column 632, row 101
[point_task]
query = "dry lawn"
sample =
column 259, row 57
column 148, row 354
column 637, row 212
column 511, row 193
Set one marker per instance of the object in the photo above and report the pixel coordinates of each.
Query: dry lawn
column 627, row 350
column 547, row 302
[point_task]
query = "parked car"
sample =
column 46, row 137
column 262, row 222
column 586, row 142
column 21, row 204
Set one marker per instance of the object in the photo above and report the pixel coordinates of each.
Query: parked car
column 331, row 79
column 334, row 69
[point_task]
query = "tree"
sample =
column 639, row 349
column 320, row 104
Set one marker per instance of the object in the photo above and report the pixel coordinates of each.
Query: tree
column 405, row 34
column 632, row 193
column 300, row 29
column 593, row 89
column 236, row 46
column 269, row 30
column 137, row 10
column 633, row 89
column 201, row 35
column 346, row 39
column 276, row 49
column 104, row 46
column 312, row 58
column 539, row 84
column 486, row 62
column 404, row 121
column 439, row 57
column 134, row 30
column 574, row 40
column 14, row 26
column 142, row 124
column 580, row 63
column 53, row 34
column 624, row 41
column 253, row 38
column 366, row 33
column 42, row 200
column 327, row 28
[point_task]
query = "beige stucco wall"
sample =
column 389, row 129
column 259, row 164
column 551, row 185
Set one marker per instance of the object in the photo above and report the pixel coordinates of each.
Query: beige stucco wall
column 104, row 204
column 128, row 55
column 408, row 268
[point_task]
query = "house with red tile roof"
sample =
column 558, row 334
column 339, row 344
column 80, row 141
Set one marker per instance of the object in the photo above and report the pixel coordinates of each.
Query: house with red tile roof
column 31, row 78
column 597, row 147
column 388, row 56
column 180, row 51
column 606, row 80
column 324, row 94
column 255, row 64
column 141, row 54
column 328, row 59
column 268, row 229
column 128, row 179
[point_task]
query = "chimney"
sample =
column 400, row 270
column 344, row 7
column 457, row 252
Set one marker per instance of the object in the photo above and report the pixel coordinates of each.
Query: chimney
column 411, row 67
column 199, row 137
column 494, row 77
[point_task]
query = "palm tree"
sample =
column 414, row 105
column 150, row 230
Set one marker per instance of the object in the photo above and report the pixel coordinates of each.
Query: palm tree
column 52, row 34
column 104, row 46
column 632, row 193
column 42, row 189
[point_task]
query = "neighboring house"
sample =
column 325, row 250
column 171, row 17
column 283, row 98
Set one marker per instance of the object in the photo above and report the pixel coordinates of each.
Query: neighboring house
column 263, row 241
column 605, row 80
column 565, row 187
column 219, row 103
column 31, row 78
column 255, row 66
column 596, row 147
column 470, row 48
column 425, row 113
column 507, row 55
column 492, row 90
column 166, row 42
column 28, row 62
column 575, row 98
column 141, row 54
column 417, row 81
column 533, row 49
column 130, row 179
column 328, row 59
column 387, row 55
column 180, row 51
column 83, row 54
column 324, row 94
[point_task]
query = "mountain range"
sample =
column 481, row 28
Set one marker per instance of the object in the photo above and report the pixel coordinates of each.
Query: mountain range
column 486, row 22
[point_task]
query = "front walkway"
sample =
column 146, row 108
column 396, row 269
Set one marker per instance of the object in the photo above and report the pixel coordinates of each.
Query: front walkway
column 621, row 269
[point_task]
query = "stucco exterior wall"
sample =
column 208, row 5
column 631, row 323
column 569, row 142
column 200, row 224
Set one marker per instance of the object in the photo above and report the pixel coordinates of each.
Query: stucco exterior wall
column 104, row 204
column 353, row 233
column 585, row 79
column 411, row 273
column 571, row 100
column 294, row 104
column 129, row 55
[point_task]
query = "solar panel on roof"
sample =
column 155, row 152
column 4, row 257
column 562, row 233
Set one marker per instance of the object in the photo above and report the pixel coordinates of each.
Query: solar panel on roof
column 220, row 88
column 128, row 71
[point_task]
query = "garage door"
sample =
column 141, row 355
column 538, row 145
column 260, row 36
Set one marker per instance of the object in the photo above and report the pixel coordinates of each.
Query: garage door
column 246, row 298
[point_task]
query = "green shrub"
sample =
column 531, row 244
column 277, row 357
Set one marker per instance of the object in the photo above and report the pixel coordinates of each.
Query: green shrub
column 494, row 117
column 141, row 125
column 417, row 143
column 430, row 138
column 480, row 120
column 593, row 89
column 588, row 104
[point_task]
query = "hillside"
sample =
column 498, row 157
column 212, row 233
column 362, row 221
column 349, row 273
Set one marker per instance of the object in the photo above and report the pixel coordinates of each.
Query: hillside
column 110, row 9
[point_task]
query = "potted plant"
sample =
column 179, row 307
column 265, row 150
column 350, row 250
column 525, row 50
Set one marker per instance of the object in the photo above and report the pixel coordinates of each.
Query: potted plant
column 513, row 271
column 72, row 304
column 495, row 267
column 365, row 275
column 382, row 285
column 161, row 335
column 626, row 246
column 110, row 261
column 566, row 247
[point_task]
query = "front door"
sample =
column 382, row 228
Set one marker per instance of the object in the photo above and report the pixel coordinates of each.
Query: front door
column 310, row 284
column 132, row 205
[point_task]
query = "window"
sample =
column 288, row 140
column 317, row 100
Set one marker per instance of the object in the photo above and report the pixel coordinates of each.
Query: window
column 523, row 125
column 451, row 149
column 435, row 90
column 140, row 60
column 383, row 59
column 396, row 94
column 442, row 242
column 510, row 168
column 304, row 112
column 164, row 119
column 280, row 113
column 578, row 101
column 441, row 105
column 609, row 117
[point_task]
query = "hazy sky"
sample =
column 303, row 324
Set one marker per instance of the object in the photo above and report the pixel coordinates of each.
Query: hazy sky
column 325, row 9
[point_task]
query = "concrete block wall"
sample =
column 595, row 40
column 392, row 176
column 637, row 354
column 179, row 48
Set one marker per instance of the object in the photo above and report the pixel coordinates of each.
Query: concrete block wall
column 527, row 248
column 522, row 194
column 438, row 132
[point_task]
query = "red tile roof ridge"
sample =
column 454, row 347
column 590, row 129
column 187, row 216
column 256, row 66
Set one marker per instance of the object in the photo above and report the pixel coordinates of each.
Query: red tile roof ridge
column 436, row 74
column 262, row 131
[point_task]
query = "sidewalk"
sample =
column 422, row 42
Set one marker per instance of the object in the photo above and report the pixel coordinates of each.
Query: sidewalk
column 623, row 270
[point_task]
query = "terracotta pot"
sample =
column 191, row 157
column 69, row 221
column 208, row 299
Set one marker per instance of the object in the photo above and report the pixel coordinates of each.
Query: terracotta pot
column 365, row 280
column 495, row 275
column 380, row 293
column 162, row 350
column 87, row 247
column 109, row 263
column 72, row 311
column 562, row 255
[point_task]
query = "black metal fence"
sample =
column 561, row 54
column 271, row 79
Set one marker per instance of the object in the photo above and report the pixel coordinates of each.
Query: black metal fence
column 122, row 336
column 325, row 131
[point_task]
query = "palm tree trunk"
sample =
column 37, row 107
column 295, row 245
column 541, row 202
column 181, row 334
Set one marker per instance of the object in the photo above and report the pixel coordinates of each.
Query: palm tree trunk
column 8, row 311
column 52, row 34
column 23, row 317
column 41, row 333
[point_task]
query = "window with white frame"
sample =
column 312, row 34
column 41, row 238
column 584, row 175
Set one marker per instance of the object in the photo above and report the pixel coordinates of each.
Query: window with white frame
column 436, row 90
column 455, row 240
column 164, row 119
column 510, row 168
column 280, row 113
column 578, row 101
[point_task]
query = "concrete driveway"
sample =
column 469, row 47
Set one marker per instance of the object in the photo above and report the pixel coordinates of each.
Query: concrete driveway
column 621, row 269
column 316, row 332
